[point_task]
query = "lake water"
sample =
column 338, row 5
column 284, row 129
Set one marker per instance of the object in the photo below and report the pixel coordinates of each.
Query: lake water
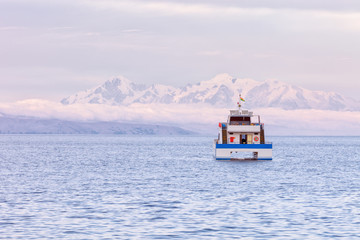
column 143, row 187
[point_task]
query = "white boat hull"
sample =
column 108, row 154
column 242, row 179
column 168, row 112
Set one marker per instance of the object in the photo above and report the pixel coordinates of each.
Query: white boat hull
column 260, row 151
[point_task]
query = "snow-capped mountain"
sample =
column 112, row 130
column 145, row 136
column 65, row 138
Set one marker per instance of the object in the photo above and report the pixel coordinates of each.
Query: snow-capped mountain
column 121, row 91
column 221, row 91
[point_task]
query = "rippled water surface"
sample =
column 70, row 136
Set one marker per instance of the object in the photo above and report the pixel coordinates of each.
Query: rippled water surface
column 98, row 187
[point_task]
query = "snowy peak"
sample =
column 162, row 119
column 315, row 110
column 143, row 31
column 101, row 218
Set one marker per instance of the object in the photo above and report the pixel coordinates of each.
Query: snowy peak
column 157, row 93
column 221, row 91
column 122, row 85
column 119, row 90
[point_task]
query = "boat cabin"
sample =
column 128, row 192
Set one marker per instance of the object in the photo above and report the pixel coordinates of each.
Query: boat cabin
column 242, row 127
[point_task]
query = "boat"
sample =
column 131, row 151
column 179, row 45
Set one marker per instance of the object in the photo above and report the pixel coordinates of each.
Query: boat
column 242, row 134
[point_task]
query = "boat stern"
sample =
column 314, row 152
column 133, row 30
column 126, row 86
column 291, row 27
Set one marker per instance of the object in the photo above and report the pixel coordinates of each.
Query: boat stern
column 259, row 151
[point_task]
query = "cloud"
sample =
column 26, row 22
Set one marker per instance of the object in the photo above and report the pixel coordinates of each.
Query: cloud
column 210, row 53
column 348, row 19
column 175, row 8
column 10, row 28
column 311, row 122
column 131, row 30
column 308, row 43
column 203, row 118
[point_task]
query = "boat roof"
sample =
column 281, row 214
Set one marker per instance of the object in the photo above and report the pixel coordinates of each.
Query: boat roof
column 241, row 113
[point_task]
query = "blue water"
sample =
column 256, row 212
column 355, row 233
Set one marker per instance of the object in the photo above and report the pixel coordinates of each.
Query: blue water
column 136, row 187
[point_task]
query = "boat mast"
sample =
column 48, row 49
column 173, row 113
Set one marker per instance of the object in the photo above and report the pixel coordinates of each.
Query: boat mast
column 239, row 102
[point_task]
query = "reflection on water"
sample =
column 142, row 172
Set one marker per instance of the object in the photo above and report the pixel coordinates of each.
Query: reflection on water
column 80, row 187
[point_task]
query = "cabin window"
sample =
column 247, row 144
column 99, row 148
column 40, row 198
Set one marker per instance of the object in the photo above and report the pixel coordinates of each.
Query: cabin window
column 239, row 120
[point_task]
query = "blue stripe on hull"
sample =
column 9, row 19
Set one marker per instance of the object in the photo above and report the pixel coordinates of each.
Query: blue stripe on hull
column 245, row 146
column 223, row 158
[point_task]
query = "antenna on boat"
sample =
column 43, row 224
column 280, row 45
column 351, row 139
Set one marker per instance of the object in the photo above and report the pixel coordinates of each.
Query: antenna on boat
column 240, row 100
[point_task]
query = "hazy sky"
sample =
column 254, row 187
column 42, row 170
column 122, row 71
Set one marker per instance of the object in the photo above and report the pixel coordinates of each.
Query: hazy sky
column 52, row 49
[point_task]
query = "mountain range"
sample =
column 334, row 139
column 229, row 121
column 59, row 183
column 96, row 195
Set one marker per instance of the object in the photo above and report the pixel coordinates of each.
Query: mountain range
column 32, row 125
column 120, row 106
column 220, row 91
